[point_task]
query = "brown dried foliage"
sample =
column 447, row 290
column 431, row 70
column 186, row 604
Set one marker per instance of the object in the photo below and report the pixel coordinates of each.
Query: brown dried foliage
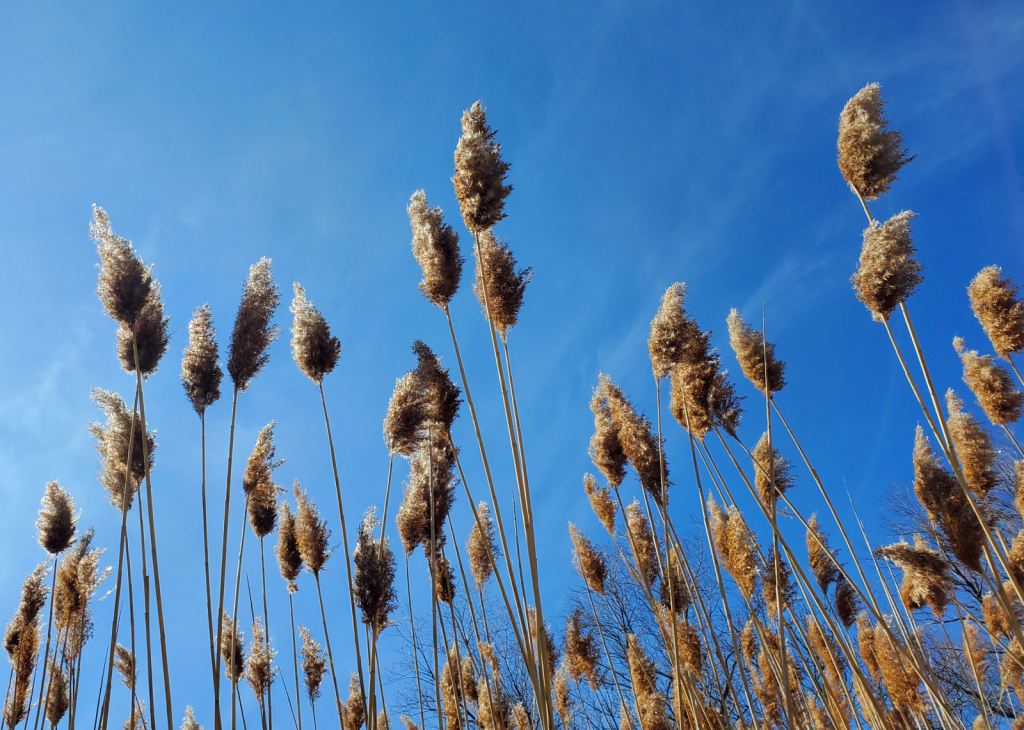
column 926, row 580
column 601, row 502
column 605, row 447
column 151, row 338
column 651, row 705
column 259, row 665
column 582, row 653
column 231, row 637
column 289, row 559
column 819, row 557
column 57, row 519
column 375, row 574
column 645, row 552
column 638, row 440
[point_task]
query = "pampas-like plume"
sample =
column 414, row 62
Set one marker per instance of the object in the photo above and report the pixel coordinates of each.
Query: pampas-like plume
column 57, row 519
column 258, row 483
column 888, row 272
column 151, row 336
column 482, row 546
column 137, row 720
column 973, row 447
column 375, row 574
column 673, row 333
column 496, row 268
column 189, row 723
column 34, row 592
column 23, row 662
column 589, row 562
column 605, row 448
column 786, row 589
column 479, row 172
column 901, row 681
column 846, row 602
column 735, row 545
column 1018, row 485
column 946, row 504
column 112, row 445
column 124, row 280
column 58, row 700
column 228, row 639
column 582, row 654
column 992, row 385
column 520, row 717
column 405, row 416
column 289, row 560
column 456, row 670
column 124, row 663
column 645, row 552
column 752, row 352
column 696, row 383
column 763, row 466
column 563, row 702
column 870, row 154
column 414, row 513
column 866, row 644
column 995, row 620
column 444, row 578
column 441, row 397
column 315, row 350
column 253, row 331
column 311, row 533
column 651, row 705
column 638, row 440
column 354, row 710
column 259, row 665
column 998, row 306
column 78, row 579
column 435, row 244
column 680, row 595
column 200, row 371
column 601, row 502
column 818, row 556
column 688, row 641
column 314, row 664
column 410, row 725
column 926, row 579
column 725, row 404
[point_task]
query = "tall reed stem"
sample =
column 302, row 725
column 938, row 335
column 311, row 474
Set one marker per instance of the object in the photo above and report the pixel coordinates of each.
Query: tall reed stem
column 40, row 703
column 295, row 661
column 330, row 654
column 206, row 549
column 234, row 613
column 223, row 566
column 145, row 615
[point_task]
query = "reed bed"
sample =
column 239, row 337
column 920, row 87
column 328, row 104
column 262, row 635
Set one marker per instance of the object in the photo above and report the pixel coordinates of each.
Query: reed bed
column 669, row 627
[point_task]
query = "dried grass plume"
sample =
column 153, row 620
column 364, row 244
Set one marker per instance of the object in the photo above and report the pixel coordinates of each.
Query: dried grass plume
column 870, row 154
column 315, row 350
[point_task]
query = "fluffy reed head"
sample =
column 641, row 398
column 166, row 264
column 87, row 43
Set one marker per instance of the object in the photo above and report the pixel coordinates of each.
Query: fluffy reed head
column 900, row 680
column 479, row 172
column 259, row 664
column 190, row 723
column 496, row 269
column 786, row 590
column 375, row 574
column 997, row 305
column 673, row 333
column 696, row 384
column 645, row 552
column 431, row 478
column 605, row 448
column 819, row 557
column 689, row 647
column 289, row 560
column 315, row 350
column 231, row 638
column 679, row 595
column 34, row 592
column 58, row 698
column 992, row 385
column 23, row 665
column 870, row 154
column 258, row 482
column 638, row 440
column 112, row 444
column 735, row 545
column 888, row 272
column 562, row 693
column 137, row 719
column 405, row 416
column 756, row 357
column 521, row 717
column 151, row 336
column 651, row 705
column 589, row 562
column 441, row 397
column 601, row 502
column 124, row 280
column 582, row 653
column 926, row 579
column 78, row 578
column 253, row 331
column 200, row 371
column 456, row 669
column 311, row 532
column 124, row 663
column 482, row 546
column 768, row 462
column 973, row 447
column 846, row 602
column 725, row 404
column 435, row 244
column 314, row 664
column 444, row 578
column 57, row 519
column 354, row 710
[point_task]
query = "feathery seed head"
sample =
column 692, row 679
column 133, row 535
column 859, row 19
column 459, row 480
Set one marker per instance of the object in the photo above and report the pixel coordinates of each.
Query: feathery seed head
column 601, row 502
column 311, row 532
column 112, row 445
column 375, row 575
column 124, row 663
column 432, row 466
column 479, row 172
column 405, row 417
column 673, row 334
column 520, row 717
column 605, row 448
column 582, row 654
column 645, row 552
column 289, row 560
column 314, row 664
column 973, row 447
column 846, row 602
column 992, row 385
column 58, row 698
column 253, row 331
column 258, row 482
column 651, row 705
column 563, row 702
column 589, row 562
column 441, row 397
column 724, row 404
column 444, row 578
column 735, row 545
column 755, row 356
column 232, row 638
column 870, row 154
column 786, row 589
column 901, row 681
column 34, row 592
column 124, row 280
column 999, row 308
column 57, row 519
column 315, row 350
column 926, row 579
column 695, row 387
column 435, row 244
column 482, row 546
column 189, row 723
column 819, row 557
column 151, row 336
column 679, row 597
column 769, row 462
column 200, row 372
column 638, row 440
column 355, row 708
column 888, row 272
column 259, row 665
column 496, row 268
column 78, row 579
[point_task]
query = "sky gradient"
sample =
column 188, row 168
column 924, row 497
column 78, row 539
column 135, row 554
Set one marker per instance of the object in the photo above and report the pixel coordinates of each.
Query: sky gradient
column 650, row 143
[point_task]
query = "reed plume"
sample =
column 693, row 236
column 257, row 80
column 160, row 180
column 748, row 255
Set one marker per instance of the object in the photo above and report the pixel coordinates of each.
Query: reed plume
column 783, row 578
column 696, row 384
column 926, row 580
column 405, row 416
column 605, row 447
column 315, row 350
column 456, row 675
column 435, row 244
column 253, row 332
column 148, row 336
column 444, row 579
column 289, row 559
column 651, row 705
column 57, row 519
column 314, row 664
column 409, row 724
column 479, row 172
column 258, row 482
column 846, row 602
column 34, row 592
column 58, row 699
column 259, row 664
column 482, row 546
column 870, row 154
column 601, row 502
column 818, row 556
column 673, row 333
column 582, row 654
column 946, row 504
column 901, row 681
column 311, row 533
column 973, row 447
column 679, row 594
column 232, row 646
column 551, row 650
column 354, row 710
column 992, row 385
column 689, row 648
column 124, row 664
column 23, row 664
column 756, row 357
column 768, row 462
column 506, row 285
column 563, row 702
column 441, row 397
column 590, row 562
column 189, row 723
column 375, row 574
column 124, row 280
column 645, row 552
column 112, row 442
column 997, row 305
column 78, row 579
column 432, row 467
column 200, row 372
column 137, row 720
column 637, row 438
column 888, row 272
column 520, row 717
column 735, row 545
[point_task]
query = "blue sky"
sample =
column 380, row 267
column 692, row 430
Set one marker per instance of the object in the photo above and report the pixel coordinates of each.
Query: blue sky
column 650, row 143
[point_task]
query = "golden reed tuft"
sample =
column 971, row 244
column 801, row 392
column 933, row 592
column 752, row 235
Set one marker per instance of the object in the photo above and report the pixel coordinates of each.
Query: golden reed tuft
column 888, row 272
column 57, row 519
column 253, row 331
column 124, row 663
column 786, row 590
column 582, row 654
column 479, row 172
column 259, row 665
column 756, row 357
column 482, row 546
column 680, row 596
column 870, row 154
column 124, row 280
column 601, row 502
column 673, row 333
column 637, row 439
column 997, row 305
column 818, row 556
column 768, row 462
column 311, row 532
column 405, row 416
column 231, row 642
column 314, row 664
column 431, row 476
column 58, row 699
column 435, row 245
column 190, row 723
column 651, row 705
column 374, row 575
column 992, row 384
column 589, row 562
column 353, row 712
column 258, row 482
column 78, row 579
column 289, row 560
column 200, row 372
column 605, row 447
column 34, row 592
column 645, row 552
column 506, row 285
column 973, row 447
column 926, row 580
column 314, row 349
column 441, row 396
column 151, row 338
column 112, row 445
column 735, row 545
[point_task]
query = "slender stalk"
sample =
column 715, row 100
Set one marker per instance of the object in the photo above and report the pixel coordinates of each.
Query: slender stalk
column 432, row 558
column 145, row 594
column 234, row 614
column 415, row 646
column 266, row 634
column 41, row 703
column 206, row 549
column 223, row 565
column 131, row 619
column 295, row 660
column 330, row 654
